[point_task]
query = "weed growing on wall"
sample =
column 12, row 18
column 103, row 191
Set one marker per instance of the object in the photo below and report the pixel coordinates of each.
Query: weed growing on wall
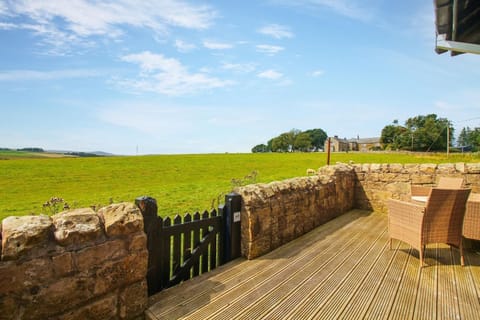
column 55, row 205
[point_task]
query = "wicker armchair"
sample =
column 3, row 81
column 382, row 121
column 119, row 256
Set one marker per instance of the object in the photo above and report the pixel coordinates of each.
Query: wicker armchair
column 439, row 221
column 443, row 182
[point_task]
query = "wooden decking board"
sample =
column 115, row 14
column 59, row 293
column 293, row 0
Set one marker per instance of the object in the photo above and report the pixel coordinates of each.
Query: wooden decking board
column 473, row 261
column 342, row 270
column 353, row 281
column 284, row 292
column 318, row 280
column 386, row 291
column 404, row 303
column 323, row 292
column 447, row 299
column 362, row 298
column 467, row 297
column 259, row 290
column 425, row 306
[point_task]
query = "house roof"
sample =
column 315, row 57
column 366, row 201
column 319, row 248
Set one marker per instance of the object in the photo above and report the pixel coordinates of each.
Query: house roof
column 457, row 25
column 358, row 140
column 366, row 140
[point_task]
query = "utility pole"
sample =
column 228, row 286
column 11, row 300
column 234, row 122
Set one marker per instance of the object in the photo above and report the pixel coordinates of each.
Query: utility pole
column 448, row 139
column 328, row 152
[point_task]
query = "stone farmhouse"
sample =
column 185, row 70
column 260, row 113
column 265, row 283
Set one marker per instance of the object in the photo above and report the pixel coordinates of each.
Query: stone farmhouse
column 356, row 144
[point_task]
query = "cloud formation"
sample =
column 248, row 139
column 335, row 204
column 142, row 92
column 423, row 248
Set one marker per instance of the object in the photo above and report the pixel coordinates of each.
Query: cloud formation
column 239, row 67
column 269, row 49
column 167, row 76
column 354, row 9
column 82, row 19
column 270, row 74
column 183, row 46
column 317, row 73
column 214, row 45
column 35, row 75
column 276, row 31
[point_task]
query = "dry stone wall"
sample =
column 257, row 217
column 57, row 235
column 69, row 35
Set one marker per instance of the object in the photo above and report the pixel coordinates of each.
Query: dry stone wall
column 276, row 213
column 77, row 264
column 378, row 182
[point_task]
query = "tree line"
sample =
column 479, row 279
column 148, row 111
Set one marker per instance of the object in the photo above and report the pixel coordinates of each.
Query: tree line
column 421, row 133
column 469, row 139
column 427, row 133
column 294, row 140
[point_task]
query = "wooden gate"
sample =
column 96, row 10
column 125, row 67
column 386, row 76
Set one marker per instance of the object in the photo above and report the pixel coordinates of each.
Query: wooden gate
column 185, row 247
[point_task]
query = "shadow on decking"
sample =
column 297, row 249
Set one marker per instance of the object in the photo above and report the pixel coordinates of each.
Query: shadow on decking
column 343, row 269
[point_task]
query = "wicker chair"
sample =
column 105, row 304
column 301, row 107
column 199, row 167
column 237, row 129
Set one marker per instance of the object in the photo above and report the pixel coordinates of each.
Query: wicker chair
column 419, row 192
column 439, row 221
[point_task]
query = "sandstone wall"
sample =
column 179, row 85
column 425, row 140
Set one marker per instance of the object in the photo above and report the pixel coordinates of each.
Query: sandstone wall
column 74, row 265
column 378, row 182
column 278, row 212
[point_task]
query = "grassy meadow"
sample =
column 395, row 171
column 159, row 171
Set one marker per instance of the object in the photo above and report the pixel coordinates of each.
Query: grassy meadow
column 180, row 183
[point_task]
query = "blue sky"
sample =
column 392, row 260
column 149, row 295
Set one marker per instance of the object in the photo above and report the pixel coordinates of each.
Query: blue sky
column 220, row 76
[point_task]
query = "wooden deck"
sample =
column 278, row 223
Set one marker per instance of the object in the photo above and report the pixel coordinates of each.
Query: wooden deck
column 341, row 270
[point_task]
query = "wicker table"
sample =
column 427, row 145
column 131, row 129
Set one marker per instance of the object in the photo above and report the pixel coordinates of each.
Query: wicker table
column 471, row 222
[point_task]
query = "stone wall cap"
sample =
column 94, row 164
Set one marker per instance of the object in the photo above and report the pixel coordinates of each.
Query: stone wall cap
column 121, row 218
column 19, row 234
column 77, row 226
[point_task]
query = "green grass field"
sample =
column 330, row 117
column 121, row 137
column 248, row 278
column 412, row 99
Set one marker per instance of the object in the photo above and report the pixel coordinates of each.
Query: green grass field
column 180, row 183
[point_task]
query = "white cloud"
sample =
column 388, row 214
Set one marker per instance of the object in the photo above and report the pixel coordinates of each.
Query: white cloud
column 167, row 76
column 3, row 8
column 270, row 74
column 183, row 46
column 269, row 49
column 354, row 9
column 81, row 19
column 317, row 73
column 239, row 67
column 276, row 31
column 213, row 45
column 35, row 75
column 7, row 26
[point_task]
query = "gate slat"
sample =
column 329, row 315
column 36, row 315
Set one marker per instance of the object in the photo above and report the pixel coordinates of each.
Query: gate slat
column 176, row 246
column 166, row 254
column 187, row 244
column 205, row 256
column 196, row 240
column 213, row 246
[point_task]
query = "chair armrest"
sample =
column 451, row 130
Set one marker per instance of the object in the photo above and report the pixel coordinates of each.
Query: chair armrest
column 404, row 213
column 420, row 190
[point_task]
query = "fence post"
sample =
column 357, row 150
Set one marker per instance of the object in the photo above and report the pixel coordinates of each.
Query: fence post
column 151, row 225
column 231, row 227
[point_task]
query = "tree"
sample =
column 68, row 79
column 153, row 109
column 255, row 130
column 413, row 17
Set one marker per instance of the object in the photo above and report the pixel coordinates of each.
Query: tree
column 318, row 137
column 470, row 138
column 302, row 142
column 260, row 148
column 463, row 139
column 392, row 135
column 420, row 133
column 429, row 132
column 294, row 140
column 281, row 143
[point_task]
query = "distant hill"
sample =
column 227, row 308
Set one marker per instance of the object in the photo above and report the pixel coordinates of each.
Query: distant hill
column 8, row 153
column 82, row 153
